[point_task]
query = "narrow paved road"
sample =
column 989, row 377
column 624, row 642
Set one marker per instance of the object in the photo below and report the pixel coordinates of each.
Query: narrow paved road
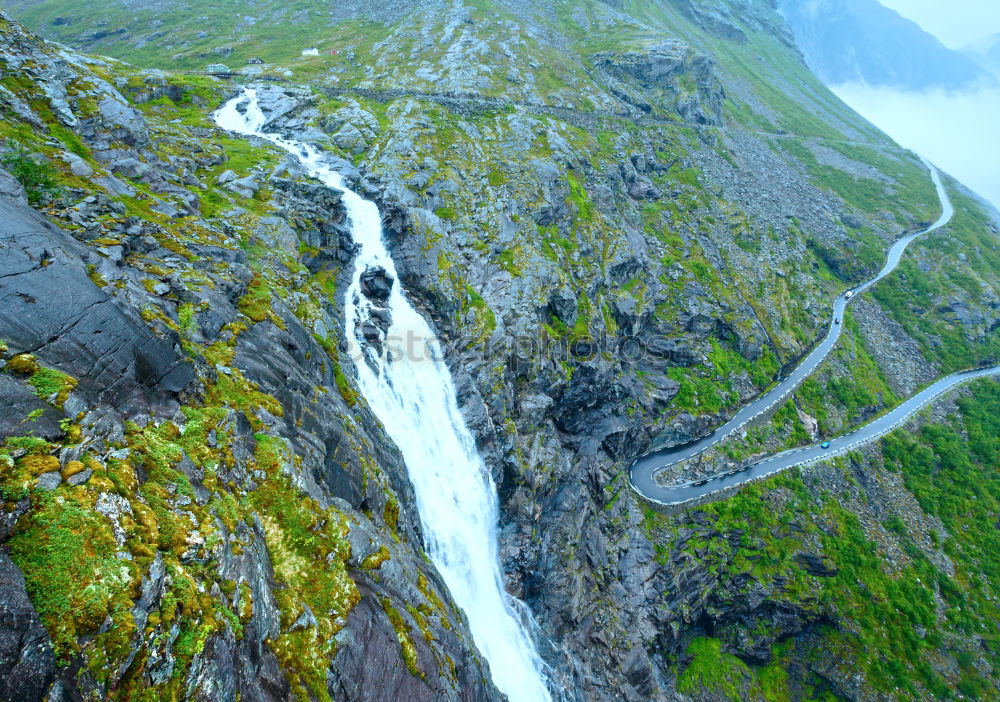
column 645, row 469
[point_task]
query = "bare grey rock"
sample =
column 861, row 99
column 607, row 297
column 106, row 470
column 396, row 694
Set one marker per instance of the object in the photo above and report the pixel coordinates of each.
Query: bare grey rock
column 94, row 338
column 48, row 481
column 27, row 664
column 22, row 413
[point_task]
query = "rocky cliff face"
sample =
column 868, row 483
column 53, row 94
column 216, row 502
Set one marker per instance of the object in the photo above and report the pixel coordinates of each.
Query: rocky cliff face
column 198, row 502
column 625, row 226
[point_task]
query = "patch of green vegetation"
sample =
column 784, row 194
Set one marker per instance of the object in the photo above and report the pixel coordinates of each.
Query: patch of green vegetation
column 579, row 198
column 71, row 140
column 242, row 156
column 509, row 261
column 50, row 383
column 309, row 550
column 917, row 296
column 729, row 362
column 714, row 671
column 851, row 265
column 256, row 303
column 66, row 552
column 496, row 178
column 948, row 468
column 913, row 189
column 866, row 194
column 375, row 560
column 37, row 176
column 186, row 318
column 486, row 321
column 894, row 625
column 279, row 40
column 697, row 394
column 856, row 395
column 685, row 176
column 18, row 476
column 701, row 392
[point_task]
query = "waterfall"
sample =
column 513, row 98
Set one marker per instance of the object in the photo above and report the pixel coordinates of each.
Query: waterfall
column 407, row 384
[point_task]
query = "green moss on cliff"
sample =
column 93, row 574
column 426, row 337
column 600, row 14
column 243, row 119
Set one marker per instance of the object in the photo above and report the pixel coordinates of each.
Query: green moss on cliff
column 67, row 554
column 36, row 175
column 409, row 651
column 715, row 672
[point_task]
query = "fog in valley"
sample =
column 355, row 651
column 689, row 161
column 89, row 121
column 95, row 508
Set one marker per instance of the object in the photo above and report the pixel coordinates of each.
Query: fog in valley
column 925, row 72
column 958, row 131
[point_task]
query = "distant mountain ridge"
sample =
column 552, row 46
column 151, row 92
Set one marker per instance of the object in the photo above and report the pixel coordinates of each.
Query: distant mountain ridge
column 862, row 41
column 986, row 53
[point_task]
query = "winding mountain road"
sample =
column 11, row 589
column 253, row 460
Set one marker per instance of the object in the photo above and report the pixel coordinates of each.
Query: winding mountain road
column 644, row 470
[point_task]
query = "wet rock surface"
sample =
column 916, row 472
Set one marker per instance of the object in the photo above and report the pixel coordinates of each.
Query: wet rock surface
column 120, row 330
column 18, row 401
column 27, row 665
column 85, row 332
column 376, row 285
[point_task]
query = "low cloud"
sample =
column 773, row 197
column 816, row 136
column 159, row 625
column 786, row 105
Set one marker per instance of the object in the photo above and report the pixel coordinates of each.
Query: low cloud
column 959, row 132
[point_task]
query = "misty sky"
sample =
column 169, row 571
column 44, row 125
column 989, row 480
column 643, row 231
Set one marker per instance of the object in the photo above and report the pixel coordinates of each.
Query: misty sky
column 958, row 131
column 957, row 23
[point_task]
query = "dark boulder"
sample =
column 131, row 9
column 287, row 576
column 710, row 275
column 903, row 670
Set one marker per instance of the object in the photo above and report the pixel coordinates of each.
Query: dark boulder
column 815, row 565
column 639, row 187
column 625, row 441
column 319, row 218
column 852, row 220
column 750, row 349
column 584, row 404
column 23, row 414
column 156, row 366
column 27, row 664
column 10, row 512
column 683, row 428
column 583, row 348
column 562, row 305
column 664, row 72
column 371, row 332
column 381, row 318
column 376, row 284
column 676, row 352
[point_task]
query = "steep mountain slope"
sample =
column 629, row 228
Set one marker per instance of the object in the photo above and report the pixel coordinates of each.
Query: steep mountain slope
column 627, row 218
column 862, row 41
column 197, row 504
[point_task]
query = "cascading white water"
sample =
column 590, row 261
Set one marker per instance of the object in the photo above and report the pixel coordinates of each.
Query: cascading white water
column 411, row 391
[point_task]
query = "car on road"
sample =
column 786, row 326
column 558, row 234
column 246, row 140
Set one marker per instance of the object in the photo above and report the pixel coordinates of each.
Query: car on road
column 825, row 444
column 850, row 294
column 837, row 320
